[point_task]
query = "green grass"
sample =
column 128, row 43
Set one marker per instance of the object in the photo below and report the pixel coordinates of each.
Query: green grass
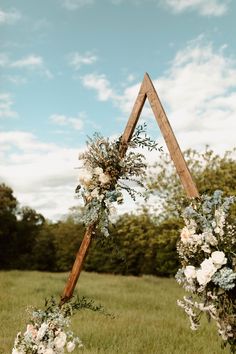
column 147, row 320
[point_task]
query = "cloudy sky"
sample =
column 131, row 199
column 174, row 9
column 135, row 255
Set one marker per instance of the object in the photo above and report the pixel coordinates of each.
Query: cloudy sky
column 72, row 67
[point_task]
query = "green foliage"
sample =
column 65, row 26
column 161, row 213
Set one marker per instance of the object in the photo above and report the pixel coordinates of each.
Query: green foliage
column 138, row 244
column 209, row 170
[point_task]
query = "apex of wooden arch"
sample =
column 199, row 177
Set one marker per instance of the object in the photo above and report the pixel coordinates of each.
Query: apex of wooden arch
column 147, row 91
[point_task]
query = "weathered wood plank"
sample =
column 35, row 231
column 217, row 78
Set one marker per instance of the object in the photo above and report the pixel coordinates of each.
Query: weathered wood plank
column 170, row 139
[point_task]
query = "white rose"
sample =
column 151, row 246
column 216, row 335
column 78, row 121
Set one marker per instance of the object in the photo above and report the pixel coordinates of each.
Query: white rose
column 202, row 277
column 70, row 346
column 104, row 178
column 190, row 272
column 218, row 258
column 208, row 267
column 206, row 271
column 60, row 340
column 217, row 230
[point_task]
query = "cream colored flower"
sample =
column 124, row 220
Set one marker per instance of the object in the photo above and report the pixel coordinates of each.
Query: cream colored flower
column 185, row 235
column 98, row 171
column 104, row 178
column 60, row 340
column 70, row 346
column 85, row 177
column 190, row 272
column 210, row 238
column 218, row 258
column 204, row 274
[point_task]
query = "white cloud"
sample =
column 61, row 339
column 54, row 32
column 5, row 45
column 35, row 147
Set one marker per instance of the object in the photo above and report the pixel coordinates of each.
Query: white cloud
column 72, row 122
column 9, row 17
column 31, row 61
column 6, row 104
column 198, row 93
column 42, row 175
column 76, row 4
column 76, row 60
column 203, row 7
column 99, row 83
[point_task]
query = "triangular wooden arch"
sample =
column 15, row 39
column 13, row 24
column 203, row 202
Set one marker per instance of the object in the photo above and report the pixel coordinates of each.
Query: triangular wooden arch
column 147, row 90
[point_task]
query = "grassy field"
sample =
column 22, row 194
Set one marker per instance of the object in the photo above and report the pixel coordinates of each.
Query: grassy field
column 147, row 320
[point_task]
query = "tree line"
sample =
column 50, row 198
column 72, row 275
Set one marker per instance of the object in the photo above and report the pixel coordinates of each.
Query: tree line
column 143, row 243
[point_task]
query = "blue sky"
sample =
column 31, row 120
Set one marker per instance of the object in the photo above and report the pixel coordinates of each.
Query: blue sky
column 72, row 67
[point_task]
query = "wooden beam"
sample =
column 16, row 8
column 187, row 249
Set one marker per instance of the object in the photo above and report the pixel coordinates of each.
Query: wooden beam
column 170, row 139
column 78, row 264
column 147, row 90
column 133, row 118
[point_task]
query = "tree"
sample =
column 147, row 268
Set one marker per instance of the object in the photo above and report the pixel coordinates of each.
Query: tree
column 28, row 227
column 8, row 227
column 209, row 170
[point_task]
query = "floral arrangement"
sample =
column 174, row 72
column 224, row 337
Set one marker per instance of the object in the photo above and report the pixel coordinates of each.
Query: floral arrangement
column 106, row 172
column 48, row 329
column 207, row 249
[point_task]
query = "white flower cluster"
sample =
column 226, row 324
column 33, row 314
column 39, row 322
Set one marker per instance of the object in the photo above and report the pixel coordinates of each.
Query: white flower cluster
column 46, row 335
column 207, row 250
column 207, row 268
column 104, row 175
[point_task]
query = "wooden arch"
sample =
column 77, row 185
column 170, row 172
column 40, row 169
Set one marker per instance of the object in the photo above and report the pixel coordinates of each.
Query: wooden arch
column 147, row 90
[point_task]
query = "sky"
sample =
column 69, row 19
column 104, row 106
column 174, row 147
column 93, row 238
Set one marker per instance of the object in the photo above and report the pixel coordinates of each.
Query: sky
column 69, row 68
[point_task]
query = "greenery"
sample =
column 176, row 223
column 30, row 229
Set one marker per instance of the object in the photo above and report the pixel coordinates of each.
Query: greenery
column 147, row 319
column 138, row 244
column 106, row 172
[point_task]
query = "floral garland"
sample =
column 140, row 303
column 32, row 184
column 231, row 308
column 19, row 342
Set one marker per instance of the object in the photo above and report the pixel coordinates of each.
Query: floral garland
column 207, row 250
column 105, row 174
column 47, row 331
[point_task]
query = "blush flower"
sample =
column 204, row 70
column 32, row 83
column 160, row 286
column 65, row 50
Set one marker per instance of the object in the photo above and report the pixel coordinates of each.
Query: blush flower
column 185, row 235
